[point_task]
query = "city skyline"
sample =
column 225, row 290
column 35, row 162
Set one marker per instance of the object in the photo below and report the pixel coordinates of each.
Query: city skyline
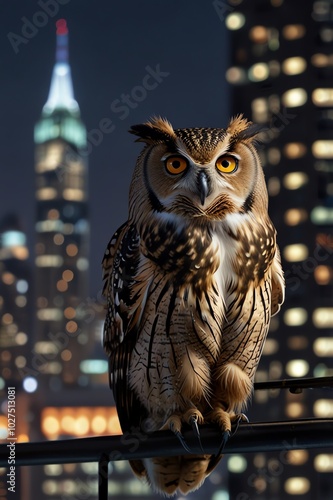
column 114, row 52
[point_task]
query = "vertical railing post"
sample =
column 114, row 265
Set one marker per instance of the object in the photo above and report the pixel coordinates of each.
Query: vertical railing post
column 103, row 466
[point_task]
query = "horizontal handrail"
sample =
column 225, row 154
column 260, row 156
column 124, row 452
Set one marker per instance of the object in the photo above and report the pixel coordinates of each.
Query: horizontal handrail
column 296, row 385
column 249, row 438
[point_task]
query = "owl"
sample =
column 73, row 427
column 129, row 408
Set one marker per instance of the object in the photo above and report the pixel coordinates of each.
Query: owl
column 191, row 281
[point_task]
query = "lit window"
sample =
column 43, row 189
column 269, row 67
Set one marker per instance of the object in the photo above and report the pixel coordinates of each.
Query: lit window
column 99, row 424
column 68, row 228
column 22, row 286
column 68, row 275
column 237, row 464
column 323, row 317
column 326, row 34
column 53, row 368
column 8, row 278
column 260, row 112
column 49, row 225
column 323, row 149
column 295, row 216
column 294, row 150
column 72, row 250
column 324, row 462
column 295, row 410
column 81, row 426
column 50, row 487
column 321, row 370
column 46, row 347
column 322, row 215
column 294, row 65
column 294, row 97
column 21, row 338
column 73, row 194
column 297, row 368
column 53, row 214
column 62, row 286
column 46, row 194
column 114, row 425
column 235, row 21
column 295, row 316
column 297, row 485
column 50, row 426
column 323, row 346
column 322, row 60
column 273, row 42
column 274, row 68
column 82, row 264
column 322, row 97
column 274, row 156
column 58, row 239
column 7, row 319
column 295, row 180
column 259, row 34
column 94, row 366
column 69, row 313
column 236, row 75
column 293, row 31
column 321, row 10
column 66, row 355
column 20, row 361
column 68, row 421
column 259, row 72
column 323, row 408
column 297, row 342
column 71, row 326
column 53, row 469
column 271, row 347
column 49, row 261
column 296, row 252
column 323, row 275
column 297, row 457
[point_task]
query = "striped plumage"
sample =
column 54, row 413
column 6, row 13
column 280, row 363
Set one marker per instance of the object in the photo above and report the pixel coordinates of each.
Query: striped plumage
column 191, row 280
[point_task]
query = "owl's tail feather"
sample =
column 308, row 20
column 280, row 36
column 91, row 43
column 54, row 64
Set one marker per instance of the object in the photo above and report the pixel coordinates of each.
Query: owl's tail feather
column 170, row 475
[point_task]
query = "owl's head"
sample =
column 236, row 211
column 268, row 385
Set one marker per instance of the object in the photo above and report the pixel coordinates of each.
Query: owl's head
column 202, row 173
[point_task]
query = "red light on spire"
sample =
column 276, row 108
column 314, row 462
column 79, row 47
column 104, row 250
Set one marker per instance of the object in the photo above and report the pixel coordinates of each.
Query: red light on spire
column 61, row 25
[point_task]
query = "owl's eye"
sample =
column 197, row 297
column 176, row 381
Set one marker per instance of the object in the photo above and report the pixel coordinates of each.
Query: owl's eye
column 227, row 164
column 175, row 164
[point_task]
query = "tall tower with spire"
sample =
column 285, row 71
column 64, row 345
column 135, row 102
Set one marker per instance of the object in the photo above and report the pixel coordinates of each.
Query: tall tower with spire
column 62, row 228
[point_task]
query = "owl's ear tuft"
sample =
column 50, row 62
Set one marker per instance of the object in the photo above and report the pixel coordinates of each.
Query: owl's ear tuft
column 157, row 129
column 242, row 129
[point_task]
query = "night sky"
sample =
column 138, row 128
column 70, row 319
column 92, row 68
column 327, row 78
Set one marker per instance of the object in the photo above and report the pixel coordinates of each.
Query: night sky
column 111, row 46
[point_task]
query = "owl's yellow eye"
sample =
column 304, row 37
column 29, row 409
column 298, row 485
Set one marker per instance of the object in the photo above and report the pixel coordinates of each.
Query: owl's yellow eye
column 175, row 164
column 227, row 164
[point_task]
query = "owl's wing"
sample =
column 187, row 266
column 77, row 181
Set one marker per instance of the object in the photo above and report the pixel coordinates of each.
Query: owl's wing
column 120, row 264
column 278, row 285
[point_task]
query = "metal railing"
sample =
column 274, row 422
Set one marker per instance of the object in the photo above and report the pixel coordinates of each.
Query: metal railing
column 249, row 438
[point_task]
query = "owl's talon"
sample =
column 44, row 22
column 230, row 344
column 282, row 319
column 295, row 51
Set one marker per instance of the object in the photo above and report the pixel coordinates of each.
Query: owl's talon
column 181, row 439
column 174, row 424
column 193, row 421
column 225, row 439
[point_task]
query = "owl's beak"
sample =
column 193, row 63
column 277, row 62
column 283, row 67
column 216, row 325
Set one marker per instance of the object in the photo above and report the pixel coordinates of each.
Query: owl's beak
column 202, row 184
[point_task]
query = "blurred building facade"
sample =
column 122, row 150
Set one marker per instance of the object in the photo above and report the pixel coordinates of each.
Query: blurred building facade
column 281, row 71
column 15, row 300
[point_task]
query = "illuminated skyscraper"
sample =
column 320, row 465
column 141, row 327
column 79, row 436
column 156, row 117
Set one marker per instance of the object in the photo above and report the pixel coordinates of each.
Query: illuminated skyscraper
column 15, row 302
column 281, row 75
column 62, row 227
